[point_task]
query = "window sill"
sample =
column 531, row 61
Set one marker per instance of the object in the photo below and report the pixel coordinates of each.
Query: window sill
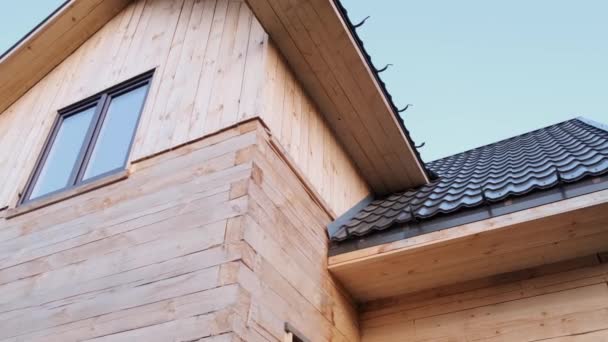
column 64, row 195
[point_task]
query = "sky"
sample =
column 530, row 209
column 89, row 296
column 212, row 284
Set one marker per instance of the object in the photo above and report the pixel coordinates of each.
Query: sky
column 17, row 18
column 476, row 71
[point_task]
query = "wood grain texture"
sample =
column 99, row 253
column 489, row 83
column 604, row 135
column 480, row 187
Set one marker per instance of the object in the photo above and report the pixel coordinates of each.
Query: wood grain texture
column 297, row 123
column 567, row 301
column 288, row 278
column 50, row 43
column 140, row 259
column 214, row 238
column 198, row 50
column 214, row 65
column 550, row 233
column 321, row 49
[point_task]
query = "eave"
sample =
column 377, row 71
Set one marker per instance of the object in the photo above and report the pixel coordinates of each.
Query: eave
column 533, row 237
column 319, row 45
column 49, row 43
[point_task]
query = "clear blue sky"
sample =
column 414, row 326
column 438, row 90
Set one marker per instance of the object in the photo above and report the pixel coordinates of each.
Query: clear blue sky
column 17, row 18
column 476, row 71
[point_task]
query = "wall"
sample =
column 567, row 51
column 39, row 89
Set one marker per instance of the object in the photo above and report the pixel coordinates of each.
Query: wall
column 562, row 302
column 289, row 280
column 210, row 58
column 299, row 126
column 215, row 238
column 199, row 50
column 144, row 257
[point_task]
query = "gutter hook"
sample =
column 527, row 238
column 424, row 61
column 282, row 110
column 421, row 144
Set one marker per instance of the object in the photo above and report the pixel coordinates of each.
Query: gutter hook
column 383, row 69
column 361, row 23
column 558, row 175
column 405, row 108
column 412, row 213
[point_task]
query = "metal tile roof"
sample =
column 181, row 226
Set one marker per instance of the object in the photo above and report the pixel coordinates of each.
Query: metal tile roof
column 563, row 153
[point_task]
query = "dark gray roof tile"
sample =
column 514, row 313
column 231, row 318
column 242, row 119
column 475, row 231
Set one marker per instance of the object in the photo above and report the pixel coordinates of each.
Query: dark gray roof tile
column 566, row 152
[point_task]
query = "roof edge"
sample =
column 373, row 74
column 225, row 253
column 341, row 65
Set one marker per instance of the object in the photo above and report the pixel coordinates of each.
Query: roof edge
column 48, row 44
column 593, row 123
column 318, row 42
column 333, row 227
column 579, row 118
column 398, row 232
column 395, row 111
column 31, row 32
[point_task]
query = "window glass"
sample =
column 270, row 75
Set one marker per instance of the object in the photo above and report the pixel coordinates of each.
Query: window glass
column 63, row 153
column 114, row 140
column 91, row 140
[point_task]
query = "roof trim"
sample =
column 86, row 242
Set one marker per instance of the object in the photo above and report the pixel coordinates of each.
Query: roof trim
column 473, row 179
column 51, row 42
column 333, row 227
column 31, row 32
column 546, row 234
column 593, row 123
column 368, row 59
column 562, row 192
column 319, row 43
column 322, row 49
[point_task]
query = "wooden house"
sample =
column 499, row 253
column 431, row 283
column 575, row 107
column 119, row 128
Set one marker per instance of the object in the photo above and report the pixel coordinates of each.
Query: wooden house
column 235, row 170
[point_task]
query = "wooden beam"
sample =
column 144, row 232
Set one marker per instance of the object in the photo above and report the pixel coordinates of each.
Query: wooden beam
column 48, row 45
column 528, row 238
column 320, row 48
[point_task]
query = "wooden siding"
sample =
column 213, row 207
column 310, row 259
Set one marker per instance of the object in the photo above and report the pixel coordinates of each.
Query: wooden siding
column 50, row 43
column 533, row 237
column 216, row 237
column 324, row 53
column 288, row 281
column 301, row 129
column 210, row 66
column 558, row 303
column 142, row 258
column 199, row 50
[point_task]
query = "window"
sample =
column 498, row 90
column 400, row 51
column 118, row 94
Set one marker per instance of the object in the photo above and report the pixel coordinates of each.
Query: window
column 292, row 335
column 90, row 139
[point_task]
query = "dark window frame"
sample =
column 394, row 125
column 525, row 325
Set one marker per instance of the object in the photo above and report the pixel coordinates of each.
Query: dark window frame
column 100, row 102
column 296, row 335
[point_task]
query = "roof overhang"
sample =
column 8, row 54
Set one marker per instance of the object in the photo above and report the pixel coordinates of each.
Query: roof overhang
column 49, row 43
column 318, row 43
column 321, row 46
column 536, row 236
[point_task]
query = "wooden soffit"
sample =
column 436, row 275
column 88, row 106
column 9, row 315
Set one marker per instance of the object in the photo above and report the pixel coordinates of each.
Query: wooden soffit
column 537, row 236
column 34, row 56
column 320, row 47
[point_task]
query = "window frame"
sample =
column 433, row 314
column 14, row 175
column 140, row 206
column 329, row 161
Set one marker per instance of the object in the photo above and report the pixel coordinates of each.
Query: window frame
column 293, row 335
column 101, row 102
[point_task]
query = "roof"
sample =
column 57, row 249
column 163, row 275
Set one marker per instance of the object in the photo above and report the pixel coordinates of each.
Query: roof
column 368, row 58
column 49, row 43
column 562, row 154
column 325, row 53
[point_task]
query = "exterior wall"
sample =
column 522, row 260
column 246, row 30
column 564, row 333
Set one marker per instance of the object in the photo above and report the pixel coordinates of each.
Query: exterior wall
column 142, row 258
column 289, row 280
column 299, row 126
column 210, row 59
column 217, row 231
column 562, row 302
column 207, row 59
column 215, row 238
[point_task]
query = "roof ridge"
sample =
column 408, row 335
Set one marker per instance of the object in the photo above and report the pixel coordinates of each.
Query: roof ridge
column 580, row 118
column 592, row 123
